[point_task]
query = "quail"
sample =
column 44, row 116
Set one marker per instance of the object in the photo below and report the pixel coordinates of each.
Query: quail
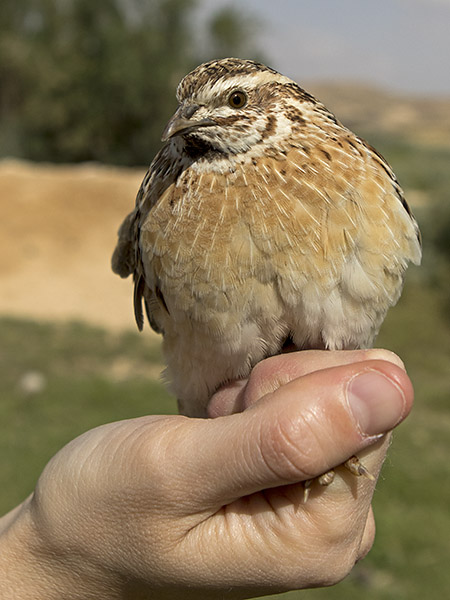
column 263, row 221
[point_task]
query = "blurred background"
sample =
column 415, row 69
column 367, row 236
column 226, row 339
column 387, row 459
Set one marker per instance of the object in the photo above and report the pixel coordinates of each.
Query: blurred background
column 85, row 90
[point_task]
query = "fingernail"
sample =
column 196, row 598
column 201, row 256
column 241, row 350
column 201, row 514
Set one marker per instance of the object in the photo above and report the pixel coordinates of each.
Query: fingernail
column 377, row 403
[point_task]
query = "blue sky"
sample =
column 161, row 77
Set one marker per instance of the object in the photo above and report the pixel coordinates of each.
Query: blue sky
column 401, row 45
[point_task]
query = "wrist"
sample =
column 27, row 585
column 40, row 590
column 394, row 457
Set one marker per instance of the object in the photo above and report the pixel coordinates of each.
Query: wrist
column 31, row 568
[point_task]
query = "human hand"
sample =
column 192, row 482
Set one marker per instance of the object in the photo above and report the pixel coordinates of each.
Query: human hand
column 168, row 507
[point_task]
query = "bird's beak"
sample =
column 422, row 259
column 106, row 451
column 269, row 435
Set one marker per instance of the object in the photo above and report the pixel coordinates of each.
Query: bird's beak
column 182, row 122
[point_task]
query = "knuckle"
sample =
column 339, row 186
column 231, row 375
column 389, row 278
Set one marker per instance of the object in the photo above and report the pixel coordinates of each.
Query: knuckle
column 343, row 566
column 266, row 377
column 340, row 539
column 340, row 560
column 259, row 373
column 368, row 537
column 328, row 567
column 293, row 447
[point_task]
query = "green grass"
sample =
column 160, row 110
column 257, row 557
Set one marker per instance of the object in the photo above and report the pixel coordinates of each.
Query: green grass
column 87, row 377
column 90, row 377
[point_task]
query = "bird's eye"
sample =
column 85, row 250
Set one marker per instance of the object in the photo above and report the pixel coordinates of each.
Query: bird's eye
column 237, row 99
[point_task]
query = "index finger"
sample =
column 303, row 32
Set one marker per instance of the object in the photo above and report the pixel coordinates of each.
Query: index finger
column 274, row 372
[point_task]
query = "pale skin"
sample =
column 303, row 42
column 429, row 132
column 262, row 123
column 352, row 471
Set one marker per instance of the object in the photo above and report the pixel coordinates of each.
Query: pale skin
column 172, row 507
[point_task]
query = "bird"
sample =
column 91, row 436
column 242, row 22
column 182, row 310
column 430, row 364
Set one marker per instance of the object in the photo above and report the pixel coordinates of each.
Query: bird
column 262, row 223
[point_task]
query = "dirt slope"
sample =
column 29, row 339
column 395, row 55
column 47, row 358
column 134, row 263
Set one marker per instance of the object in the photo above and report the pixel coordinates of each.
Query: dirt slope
column 414, row 119
column 57, row 232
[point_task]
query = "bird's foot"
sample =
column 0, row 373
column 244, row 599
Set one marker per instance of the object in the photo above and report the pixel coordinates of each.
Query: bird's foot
column 353, row 464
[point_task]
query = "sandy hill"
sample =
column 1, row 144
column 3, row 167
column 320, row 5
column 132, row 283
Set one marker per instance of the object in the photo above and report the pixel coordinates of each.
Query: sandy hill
column 415, row 119
column 57, row 233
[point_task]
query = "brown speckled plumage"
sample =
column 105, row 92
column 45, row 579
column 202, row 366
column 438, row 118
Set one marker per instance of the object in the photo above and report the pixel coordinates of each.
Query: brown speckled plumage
column 261, row 223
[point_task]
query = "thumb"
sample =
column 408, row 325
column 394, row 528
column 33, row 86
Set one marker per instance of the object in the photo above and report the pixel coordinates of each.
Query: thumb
column 297, row 432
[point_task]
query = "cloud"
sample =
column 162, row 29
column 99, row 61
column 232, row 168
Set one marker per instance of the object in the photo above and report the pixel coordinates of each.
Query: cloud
column 445, row 3
column 399, row 44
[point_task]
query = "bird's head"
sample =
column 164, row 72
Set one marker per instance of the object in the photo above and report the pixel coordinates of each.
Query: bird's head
column 231, row 105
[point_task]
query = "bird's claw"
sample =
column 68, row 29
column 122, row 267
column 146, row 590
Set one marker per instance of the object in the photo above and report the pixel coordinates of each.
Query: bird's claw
column 353, row 464
column 356, row 467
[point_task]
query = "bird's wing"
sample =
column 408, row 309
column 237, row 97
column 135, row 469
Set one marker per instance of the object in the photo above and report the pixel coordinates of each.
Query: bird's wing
column 123, row 260
column 384, row 166
column 127, row 256
column 126, row 260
